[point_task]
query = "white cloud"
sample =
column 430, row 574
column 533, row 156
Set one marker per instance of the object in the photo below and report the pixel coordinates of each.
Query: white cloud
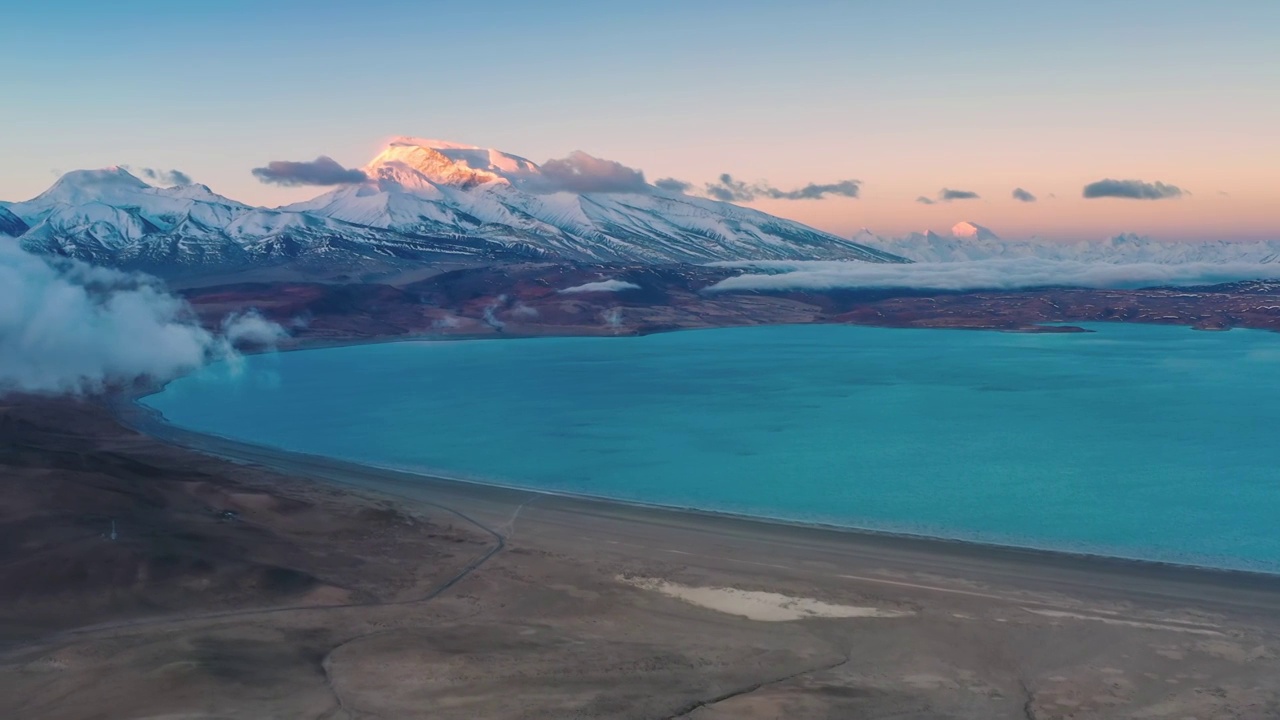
column 602, row 286
column 1010, row 274
column 70, row 327
column 250, row 328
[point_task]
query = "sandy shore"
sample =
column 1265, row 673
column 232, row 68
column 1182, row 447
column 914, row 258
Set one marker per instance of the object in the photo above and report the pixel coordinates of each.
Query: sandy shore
column 536, row 605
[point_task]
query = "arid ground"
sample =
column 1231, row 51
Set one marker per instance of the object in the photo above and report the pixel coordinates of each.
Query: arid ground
column 282, row 586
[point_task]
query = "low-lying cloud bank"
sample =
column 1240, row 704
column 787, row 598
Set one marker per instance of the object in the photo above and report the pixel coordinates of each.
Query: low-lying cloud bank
column 68, row 327
column 1012, row 274
column 602, row 286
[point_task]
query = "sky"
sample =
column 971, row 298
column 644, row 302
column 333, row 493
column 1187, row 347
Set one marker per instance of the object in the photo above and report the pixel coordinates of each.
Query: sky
column 908, row 97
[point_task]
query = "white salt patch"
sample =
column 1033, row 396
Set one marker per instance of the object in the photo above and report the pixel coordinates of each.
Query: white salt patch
column 755, row 605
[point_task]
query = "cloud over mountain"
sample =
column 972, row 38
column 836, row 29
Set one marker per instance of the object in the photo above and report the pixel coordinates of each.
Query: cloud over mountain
column 321, row 171
column 1131, row 190
column 583, row 173
column 673, row 185
column 727, row 189
column 164, row 177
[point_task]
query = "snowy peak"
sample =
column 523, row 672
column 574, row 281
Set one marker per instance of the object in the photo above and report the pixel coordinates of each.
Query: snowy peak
column 414, row 166
column 445, row 163
column 972, row 231
column 81, row 186
column 433, row 187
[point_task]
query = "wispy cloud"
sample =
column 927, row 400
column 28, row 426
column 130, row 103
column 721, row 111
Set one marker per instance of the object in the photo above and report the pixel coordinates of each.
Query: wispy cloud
column 321, row 171
column 728, row 189
column 947, row 195
column 1131, row 190
column 983, row 275
column 583, row 173
column 673, row 185
column 1023, row 196
column 163, row 177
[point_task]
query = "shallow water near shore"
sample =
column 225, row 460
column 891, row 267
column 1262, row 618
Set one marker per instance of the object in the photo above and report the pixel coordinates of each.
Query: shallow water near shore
column 1136, row 441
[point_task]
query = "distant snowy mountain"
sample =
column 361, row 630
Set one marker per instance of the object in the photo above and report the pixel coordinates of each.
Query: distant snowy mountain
column 972, row 231
column 436, row 187
column 970, row 242
column 423, row 201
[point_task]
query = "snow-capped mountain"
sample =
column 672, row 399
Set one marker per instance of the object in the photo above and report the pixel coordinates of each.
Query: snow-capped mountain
column 437, row 187
column 971, row 242
column 972, row 231
column 422, row 200
column 111, row 217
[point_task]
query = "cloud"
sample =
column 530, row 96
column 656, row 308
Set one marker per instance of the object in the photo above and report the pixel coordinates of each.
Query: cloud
column 68, row 327
column 924, row 200
column 1023, row 196
column 947, row 195
column 602, row 286
column 727, row 189
column 1007, row 274
column 251, row 329
column 613, row 317
column 1131, row 190
column 321, row 171
column 164, row 177
column 583, row 173
column 673, row 185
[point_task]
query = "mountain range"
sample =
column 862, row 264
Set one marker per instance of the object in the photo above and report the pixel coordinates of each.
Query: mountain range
column 969, row 241
column 419, row 201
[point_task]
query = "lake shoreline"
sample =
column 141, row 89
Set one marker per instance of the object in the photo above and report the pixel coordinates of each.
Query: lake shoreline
column 921, row 526
column 365, row 477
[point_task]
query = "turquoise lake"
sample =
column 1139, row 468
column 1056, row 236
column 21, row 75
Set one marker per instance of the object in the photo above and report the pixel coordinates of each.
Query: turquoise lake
column 1134, row 441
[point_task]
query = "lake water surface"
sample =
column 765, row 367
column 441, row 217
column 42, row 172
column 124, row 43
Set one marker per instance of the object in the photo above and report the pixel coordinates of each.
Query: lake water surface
column 1135, row 441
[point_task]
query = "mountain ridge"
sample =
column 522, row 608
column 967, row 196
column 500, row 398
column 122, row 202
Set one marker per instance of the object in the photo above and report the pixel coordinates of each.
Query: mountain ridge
column 417, row 203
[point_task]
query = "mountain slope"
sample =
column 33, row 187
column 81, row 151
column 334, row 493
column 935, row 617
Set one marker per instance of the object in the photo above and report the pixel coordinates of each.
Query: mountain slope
column 435, row 187
column 11, row 224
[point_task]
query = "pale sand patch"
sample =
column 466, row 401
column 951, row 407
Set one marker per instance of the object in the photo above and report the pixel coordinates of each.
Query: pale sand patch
column 1129, row 623
column 756, row 605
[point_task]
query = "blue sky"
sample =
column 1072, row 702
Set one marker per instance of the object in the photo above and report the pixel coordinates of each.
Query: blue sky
column 908, row 97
